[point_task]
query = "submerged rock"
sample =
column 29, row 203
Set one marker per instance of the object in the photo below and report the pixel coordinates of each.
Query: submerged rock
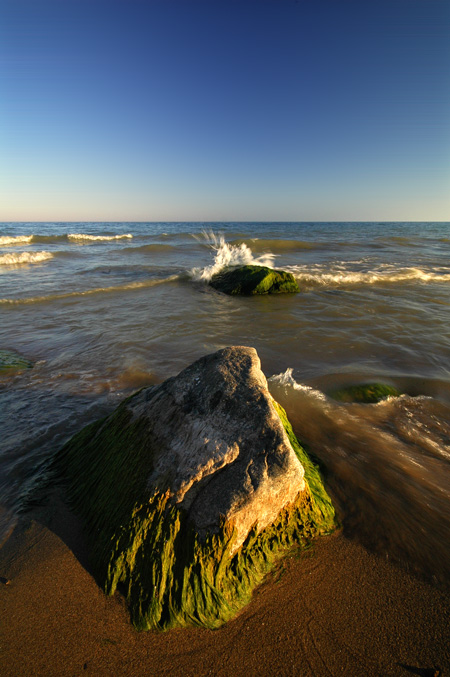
column 368, row 393
column 12, row 361
column 190, row 491
column 249, row 280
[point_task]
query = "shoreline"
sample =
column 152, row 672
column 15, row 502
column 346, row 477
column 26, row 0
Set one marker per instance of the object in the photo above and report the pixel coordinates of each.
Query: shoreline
column 335, row 610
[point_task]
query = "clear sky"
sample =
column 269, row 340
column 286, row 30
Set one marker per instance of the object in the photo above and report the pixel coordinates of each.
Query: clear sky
column 224, row 110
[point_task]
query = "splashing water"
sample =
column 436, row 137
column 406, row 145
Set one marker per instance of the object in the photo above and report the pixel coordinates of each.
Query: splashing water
column 287, row 379
column 227, row 256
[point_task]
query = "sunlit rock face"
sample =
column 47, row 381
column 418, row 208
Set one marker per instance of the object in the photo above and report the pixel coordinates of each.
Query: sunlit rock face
column 220, row 448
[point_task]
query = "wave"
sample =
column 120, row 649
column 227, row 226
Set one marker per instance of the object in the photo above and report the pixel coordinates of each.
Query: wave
column 156, row 247
column 187, row 236
column 227, row 255
column 275, row 245
column 24, row 258
column 399, row 240
column 17, row 239
column 238, row 253
column 45, row 239
column 287, row 380
column 6, row 240
column 80, row 237
column 318, row 278
column 89, row 292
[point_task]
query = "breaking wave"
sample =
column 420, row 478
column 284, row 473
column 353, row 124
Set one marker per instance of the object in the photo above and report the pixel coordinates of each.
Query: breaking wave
column 342, row 278
column 227, row 255
column 6, row 240
column 239, row 253
column 23, row 258
column 97, row 238
column 18, row 239
column 287, row 380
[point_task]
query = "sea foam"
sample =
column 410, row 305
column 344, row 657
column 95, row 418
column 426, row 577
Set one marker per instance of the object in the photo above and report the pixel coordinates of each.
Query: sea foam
column 337, row 278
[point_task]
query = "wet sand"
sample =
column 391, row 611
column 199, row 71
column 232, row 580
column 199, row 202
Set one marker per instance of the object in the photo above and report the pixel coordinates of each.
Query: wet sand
column 336, row 610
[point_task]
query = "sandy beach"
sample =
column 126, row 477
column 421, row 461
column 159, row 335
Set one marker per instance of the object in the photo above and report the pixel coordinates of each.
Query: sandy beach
column 336, row 610
column 261, row 188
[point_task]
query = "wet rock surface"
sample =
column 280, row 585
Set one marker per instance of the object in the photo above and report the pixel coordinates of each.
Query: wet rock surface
column 249, row 280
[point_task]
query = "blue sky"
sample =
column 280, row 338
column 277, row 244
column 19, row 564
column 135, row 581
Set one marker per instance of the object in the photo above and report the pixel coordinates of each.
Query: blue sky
column 224, row 110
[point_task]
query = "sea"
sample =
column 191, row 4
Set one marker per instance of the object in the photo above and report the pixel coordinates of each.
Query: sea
column 103, row 309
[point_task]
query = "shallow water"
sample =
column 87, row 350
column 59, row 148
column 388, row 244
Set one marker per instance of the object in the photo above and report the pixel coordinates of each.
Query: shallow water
column 103, row 309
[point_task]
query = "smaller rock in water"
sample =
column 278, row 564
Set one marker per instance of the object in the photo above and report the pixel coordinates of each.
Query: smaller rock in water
column 368, row 393
column 250, row 280
column 12, row 361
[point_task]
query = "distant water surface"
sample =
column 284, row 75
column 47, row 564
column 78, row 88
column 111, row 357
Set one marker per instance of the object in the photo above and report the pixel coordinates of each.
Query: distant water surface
column 104, row 308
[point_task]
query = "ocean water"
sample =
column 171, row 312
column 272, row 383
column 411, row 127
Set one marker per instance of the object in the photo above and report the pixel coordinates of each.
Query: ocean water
column 105, row 308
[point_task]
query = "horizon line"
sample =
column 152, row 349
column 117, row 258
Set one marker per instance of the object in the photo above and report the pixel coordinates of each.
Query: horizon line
column 231, row 221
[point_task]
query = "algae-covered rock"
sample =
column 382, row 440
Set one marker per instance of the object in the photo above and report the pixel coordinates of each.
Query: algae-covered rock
column 191, row 490
column 11, row 361
column 249, row 280
column 369, row 393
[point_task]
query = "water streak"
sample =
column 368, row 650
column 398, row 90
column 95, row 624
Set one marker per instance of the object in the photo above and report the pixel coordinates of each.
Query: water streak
column 89, row 292
column 387, row 466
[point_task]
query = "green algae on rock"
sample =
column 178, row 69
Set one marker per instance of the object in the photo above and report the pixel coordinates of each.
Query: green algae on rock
column 12, row 361
column 251, row 279
column 368, row 393
column 191, row 490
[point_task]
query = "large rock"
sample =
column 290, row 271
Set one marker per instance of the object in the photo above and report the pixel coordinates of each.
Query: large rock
column 191, row 489
column 249, row 280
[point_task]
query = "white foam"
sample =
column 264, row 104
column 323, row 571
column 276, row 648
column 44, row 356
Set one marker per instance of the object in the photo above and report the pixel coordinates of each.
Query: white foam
column 98, row 238
column 19, row 239
column 344, row 278
column 227, row 255
column 24, row 257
